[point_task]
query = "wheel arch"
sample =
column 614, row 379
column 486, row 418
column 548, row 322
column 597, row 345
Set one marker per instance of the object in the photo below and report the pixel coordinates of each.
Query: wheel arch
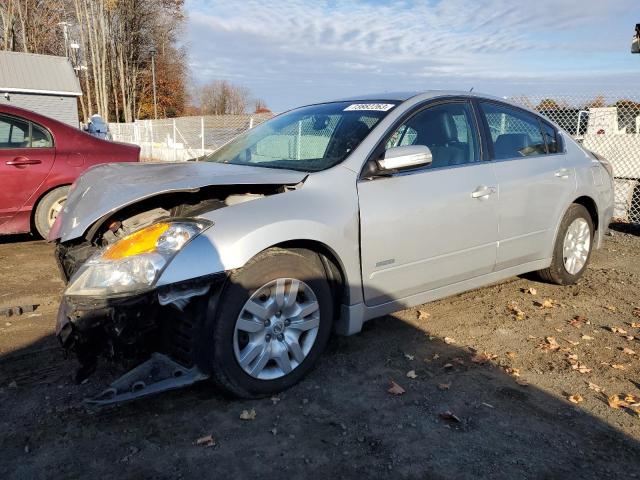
column 333, row 266
column 591, row 206
column 32, row 216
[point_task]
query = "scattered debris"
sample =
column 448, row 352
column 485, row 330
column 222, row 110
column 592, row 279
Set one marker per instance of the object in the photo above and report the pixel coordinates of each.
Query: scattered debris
column 628, row 351
column 395, row 389
column 449, row 416
column 514, row 372
column 412, row 374
column 423, row 315
column 206, row 441
column 248, row 414
column 618, row 330
column 595, row 387
column 18, row 310
column 408, row 357
column 578, row 321
column 549, row 344
column 516, row 311
column 511, row 355
column 547, row 303
column 483, row 357
column 575, row 398
column 444, row 386
column 275, row 399
column 449, row 340
column 530, row 290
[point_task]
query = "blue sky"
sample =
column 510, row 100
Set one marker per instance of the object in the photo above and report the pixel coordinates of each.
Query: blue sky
column 295, row 52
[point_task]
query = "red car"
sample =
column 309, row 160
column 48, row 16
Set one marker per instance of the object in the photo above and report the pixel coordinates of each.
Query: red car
column 39, row 159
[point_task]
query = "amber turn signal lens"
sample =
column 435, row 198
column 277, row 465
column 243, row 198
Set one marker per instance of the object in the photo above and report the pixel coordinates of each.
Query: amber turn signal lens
column 142, row 241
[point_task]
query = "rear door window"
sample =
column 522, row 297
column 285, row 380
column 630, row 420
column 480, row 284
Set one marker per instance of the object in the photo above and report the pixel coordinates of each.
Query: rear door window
column 14, row 132
column 514, row 133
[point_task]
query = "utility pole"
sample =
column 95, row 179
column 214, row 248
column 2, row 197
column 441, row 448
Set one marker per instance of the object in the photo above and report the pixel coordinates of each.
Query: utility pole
column 152, row 52
column 65, row 32
column 635, row 43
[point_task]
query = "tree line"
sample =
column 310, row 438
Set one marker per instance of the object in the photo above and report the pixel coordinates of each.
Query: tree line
column 110, row 44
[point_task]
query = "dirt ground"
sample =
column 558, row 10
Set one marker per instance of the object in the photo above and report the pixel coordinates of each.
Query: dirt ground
column 465, row 352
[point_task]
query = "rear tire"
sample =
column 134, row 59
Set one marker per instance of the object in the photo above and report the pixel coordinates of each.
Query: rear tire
column 48, row 208
column 270, row 298
column 572, row 250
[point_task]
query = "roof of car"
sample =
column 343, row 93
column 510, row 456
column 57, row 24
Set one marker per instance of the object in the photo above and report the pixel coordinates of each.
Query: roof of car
column 403, row 96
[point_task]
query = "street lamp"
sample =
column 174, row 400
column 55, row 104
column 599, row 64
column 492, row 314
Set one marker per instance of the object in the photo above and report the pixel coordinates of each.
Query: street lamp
column 152, row 52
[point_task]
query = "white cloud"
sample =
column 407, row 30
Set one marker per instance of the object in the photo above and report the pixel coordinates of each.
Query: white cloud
column 349, row 45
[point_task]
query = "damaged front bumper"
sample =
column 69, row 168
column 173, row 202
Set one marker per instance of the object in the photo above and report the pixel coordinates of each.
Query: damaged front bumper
column 157, row 328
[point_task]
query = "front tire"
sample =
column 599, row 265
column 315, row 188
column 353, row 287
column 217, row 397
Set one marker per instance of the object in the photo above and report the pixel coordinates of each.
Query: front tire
column 48, row 209
column 572, row 250
column 269, row 325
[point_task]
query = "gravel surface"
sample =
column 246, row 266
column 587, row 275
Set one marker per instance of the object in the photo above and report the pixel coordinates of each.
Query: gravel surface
column 487, row 377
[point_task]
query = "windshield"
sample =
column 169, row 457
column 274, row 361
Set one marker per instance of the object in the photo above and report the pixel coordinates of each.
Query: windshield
column 308, row 139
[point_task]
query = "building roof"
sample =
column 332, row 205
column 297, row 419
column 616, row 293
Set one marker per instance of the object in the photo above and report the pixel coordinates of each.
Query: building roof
column 33, row 73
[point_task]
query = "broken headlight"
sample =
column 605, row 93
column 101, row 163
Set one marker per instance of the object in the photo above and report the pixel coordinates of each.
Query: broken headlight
column 134, row 262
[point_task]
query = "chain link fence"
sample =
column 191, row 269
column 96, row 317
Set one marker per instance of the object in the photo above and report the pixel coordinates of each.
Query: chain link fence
column 606, row 125
column 183, row 138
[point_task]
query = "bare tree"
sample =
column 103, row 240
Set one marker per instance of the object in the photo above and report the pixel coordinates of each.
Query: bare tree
column 221, row 97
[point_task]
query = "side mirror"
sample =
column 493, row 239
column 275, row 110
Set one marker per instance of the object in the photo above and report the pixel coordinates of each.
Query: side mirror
column 408, row 156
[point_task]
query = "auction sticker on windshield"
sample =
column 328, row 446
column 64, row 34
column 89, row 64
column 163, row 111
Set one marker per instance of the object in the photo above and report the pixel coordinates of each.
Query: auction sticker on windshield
column 380, row 107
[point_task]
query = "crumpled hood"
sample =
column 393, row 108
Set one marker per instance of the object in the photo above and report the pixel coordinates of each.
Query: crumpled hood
column 107, row 188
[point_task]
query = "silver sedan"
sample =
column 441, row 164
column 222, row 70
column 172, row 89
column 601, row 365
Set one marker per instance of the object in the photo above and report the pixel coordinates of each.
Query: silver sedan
column 238, row 267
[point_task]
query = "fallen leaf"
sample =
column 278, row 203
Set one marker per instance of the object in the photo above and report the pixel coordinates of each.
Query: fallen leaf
column 449, row 340
column 611, row 308
column 618, row 366
column 435, row 356
column 408, row 357
column 628, row 351
column 514, row 372
column 576, row 398
column 551, row 344
column 546, row 303
column 635, row 324
column 248, row 414
column 206, row 441
column 595, row 387
column 412, row 374
column 395, row 389
column 444, row 386
column 578, row 321
column 511, row 354
column 515, row 310
column 423, row 315
column 616, row 402
column 458, row 360
column 586, row 337
column 631, row 398
column 629, row 337
column 636, row 312
column 449, row 416
column 581, row 367
column 618, row 330
column 483, row 357
column 571, row 342
column 448, row 365
column 522, row 382
column 572, row 356
column 530, row 290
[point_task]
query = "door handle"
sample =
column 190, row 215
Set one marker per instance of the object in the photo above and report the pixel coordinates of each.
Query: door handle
column 563, row 173
column 21, row 161
column 483, row 192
